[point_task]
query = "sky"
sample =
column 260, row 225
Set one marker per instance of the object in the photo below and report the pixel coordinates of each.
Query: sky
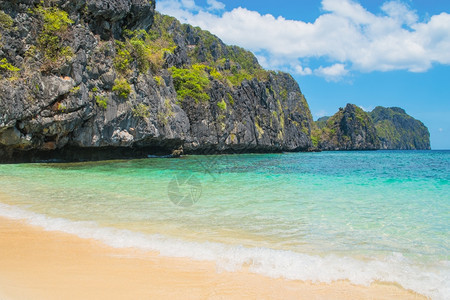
column 365, row 52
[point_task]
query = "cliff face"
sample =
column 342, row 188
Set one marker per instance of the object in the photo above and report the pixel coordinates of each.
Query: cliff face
column 383, row 128
column 397, row 130
column 104, row 79
column 349, row 129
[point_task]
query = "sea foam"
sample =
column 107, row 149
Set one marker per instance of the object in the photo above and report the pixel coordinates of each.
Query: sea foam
column 431, row 282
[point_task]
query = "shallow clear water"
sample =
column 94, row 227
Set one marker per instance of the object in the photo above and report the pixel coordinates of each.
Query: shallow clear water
column 361, row 216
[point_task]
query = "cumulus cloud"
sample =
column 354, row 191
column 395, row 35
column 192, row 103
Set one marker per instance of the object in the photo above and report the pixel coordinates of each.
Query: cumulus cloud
column 333, row 73
column 215, row 5
column 346, row 35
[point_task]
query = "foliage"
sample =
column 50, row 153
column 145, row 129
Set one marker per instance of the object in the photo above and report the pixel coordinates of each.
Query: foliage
column 322, row 122
column 191, row 83
column 141, row 111
column 101, row 101
column 159, row 80
column 122, row 59
column 229, row 64
column 230, row 99
column 122, row 88
column 53, row 34
column 398, row 130
column 147, row 49
column 222, row 105
column 5, row 20
column 7, row 67
column 75, row 89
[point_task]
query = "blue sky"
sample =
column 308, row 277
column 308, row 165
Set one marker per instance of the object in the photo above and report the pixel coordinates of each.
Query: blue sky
column 366, row 52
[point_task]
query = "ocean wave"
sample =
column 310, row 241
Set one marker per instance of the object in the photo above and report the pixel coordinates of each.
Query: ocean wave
column 433, row 282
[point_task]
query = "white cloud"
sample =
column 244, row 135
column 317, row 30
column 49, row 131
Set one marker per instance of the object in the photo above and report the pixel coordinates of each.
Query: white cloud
column 298, row 69
column 400, row 12
column 189, row 4
column 215, row 5
column 441, row 130
column 347, row 35
column 333, row 73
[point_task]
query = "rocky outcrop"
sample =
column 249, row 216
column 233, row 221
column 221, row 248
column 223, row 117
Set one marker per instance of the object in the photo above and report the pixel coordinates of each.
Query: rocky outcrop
column 106, row 79
column 350, row 128
column 397, row 130
column 383, row 128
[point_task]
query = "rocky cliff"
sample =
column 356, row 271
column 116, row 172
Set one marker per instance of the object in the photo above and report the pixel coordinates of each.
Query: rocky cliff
column 398, row 130
column 105, row 79
column 349, row 129
column 352, row 128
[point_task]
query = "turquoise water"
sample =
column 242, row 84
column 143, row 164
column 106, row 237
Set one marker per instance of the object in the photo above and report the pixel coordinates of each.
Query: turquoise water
column 361, row 216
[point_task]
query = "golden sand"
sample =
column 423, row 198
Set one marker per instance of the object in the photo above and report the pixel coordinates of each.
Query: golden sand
column 36, row 264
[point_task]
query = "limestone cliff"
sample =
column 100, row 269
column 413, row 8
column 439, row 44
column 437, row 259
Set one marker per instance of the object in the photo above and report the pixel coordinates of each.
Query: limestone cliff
column 397, row 130
column 350, row 128
column 106, row 79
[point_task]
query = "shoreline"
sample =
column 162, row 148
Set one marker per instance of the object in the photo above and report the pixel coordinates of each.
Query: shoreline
column 42, row 264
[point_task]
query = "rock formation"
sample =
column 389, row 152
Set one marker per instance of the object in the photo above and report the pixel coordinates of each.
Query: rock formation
column 352, row 128
column 105, row 79
column 349, row 129
column 398, row 130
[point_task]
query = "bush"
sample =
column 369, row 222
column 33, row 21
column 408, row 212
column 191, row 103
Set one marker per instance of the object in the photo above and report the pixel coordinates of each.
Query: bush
column 191, row 83
column 122, row 88
column 50, row 40
column 230, row 99
column 159, row 80
column 122, row 59
column 222, row 105
column 101, row 101
column 141, row 111
column 5, row 20
column 147, row 49
column 7, row 67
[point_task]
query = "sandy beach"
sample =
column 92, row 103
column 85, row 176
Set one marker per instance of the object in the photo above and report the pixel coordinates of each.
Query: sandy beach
column 36, row 264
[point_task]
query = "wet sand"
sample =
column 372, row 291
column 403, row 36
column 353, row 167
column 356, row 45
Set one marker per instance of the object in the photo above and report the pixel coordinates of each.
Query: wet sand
column 37, row 264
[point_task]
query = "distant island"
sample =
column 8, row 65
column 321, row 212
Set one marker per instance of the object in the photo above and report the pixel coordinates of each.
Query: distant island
column 351, row 128
column 115, row 79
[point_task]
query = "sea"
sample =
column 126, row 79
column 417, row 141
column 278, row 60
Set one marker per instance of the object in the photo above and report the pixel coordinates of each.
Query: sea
column 359, row 216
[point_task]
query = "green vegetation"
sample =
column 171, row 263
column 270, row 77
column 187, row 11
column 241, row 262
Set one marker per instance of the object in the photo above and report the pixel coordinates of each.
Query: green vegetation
column 222, row 105
column 101, row 101
column 397, row 130
column 159, row 80
column 283, row 93
column 259, row 129
column 122, row 59
column 54, row 32
column 75, row 90
column 229, row 64
column 315, row 140
column 5, row 66
column 230, row 99
column 141, row 111
column 6, row 21
column 322, row 122
column 146, row 49
column 191, row 83
column 122, row 88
